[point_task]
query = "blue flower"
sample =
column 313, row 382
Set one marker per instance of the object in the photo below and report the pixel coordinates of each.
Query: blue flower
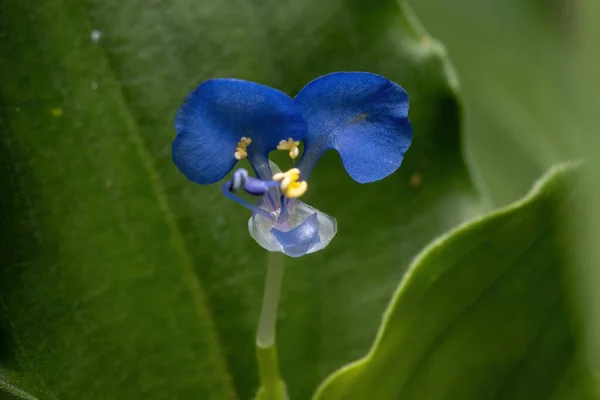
column 363, row 116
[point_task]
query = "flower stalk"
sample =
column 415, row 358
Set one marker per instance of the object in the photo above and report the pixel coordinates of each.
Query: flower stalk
column 271, row 385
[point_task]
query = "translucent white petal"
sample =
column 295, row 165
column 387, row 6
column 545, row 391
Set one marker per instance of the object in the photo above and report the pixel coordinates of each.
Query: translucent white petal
column 260, row 228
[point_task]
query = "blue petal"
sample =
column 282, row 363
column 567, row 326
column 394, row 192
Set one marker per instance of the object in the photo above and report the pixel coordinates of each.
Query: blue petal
column 361, row 115
column 218, row 113
column 299, row 240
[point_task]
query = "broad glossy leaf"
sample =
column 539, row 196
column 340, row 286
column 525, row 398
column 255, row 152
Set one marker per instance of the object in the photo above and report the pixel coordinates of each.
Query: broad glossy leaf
column 481, row 314
column 98, row 298
column 98, row 295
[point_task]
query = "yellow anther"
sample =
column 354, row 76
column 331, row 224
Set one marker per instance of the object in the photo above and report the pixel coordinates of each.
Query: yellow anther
column 290, row 145
column 290, row 186
column 240, row 150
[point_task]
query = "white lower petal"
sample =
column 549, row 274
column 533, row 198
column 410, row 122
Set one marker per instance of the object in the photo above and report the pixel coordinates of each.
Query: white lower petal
column 260, row 227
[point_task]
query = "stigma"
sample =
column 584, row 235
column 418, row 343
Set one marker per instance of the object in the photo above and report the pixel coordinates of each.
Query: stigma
column 241, row 149
column 290, row 186
column 290, row 145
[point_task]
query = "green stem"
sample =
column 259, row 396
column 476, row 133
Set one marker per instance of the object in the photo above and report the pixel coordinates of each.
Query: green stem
column 272, row 387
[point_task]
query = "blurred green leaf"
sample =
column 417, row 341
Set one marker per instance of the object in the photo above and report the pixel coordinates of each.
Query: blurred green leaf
column 585, row 222
column 100, row 232
column 512, row 57
column 481, row 314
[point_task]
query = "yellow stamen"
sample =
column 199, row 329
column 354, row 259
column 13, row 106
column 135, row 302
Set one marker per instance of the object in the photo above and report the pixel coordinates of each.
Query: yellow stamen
column 290, row 145
column 240, row 150
column 290, row 186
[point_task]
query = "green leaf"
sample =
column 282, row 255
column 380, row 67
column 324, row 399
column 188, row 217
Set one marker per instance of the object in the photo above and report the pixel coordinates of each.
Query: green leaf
column 10, row 390
column 585, row 224
column 123, row 280
column 481, row 314
column 98, row 297
column 513, row 59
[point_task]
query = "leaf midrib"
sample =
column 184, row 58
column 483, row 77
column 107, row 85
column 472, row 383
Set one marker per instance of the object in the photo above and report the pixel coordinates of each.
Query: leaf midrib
column 16, row 391
column 192, row 278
